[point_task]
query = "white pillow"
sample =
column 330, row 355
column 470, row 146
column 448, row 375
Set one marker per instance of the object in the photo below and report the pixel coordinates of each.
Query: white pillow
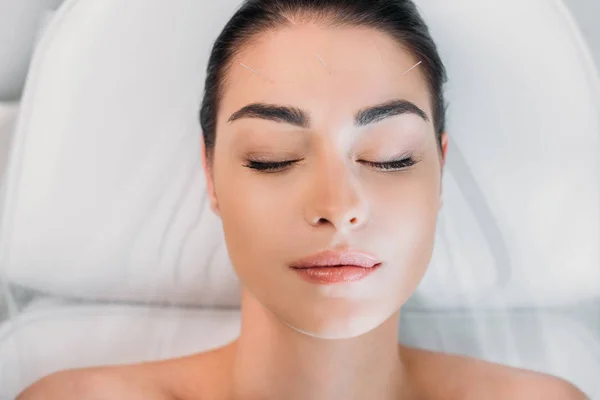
column 8, row 116
column 54, row 337
column 20, row 22
column 105, row 195
column 519, row 226
column 105, row 182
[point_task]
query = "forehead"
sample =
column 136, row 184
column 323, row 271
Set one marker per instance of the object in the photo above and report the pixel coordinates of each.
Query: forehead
column 331, row 72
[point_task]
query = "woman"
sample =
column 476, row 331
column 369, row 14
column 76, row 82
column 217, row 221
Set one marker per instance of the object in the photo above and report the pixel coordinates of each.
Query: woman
column 324, row 147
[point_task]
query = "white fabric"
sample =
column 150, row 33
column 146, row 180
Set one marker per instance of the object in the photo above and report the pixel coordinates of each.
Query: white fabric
column 521, row 194
column 105, row 181
column 36, row 343
column 20, row 23
column 54, row 336
column 8, row 116
column 118, row 214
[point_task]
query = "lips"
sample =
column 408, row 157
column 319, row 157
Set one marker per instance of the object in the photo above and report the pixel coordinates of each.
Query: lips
column 336, row 267
column 337, row 259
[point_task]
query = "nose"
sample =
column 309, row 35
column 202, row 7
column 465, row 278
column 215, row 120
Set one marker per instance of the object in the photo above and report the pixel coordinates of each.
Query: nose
column 335, row 198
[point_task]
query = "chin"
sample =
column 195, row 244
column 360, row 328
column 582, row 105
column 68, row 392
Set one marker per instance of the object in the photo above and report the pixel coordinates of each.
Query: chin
column 338, row 325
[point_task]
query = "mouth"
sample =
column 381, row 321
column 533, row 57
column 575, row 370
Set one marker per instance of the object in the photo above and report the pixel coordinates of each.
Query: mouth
column 336, row 267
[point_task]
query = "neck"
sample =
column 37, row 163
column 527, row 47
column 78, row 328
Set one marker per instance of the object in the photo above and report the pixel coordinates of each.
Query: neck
column 273, row 361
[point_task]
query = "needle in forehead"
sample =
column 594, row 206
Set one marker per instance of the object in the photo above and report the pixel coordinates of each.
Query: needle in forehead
column 322, row 62
column 411, row 68
column 325, row 66
column 245, row 66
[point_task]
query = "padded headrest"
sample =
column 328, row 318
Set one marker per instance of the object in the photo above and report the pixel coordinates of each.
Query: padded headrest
column 105, row 195
column 8, row 117
column 20, row 23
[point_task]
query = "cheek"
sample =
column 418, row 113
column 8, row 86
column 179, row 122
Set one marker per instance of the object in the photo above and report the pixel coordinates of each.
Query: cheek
column 408, row 204
column 255, row 214
column 405, row 216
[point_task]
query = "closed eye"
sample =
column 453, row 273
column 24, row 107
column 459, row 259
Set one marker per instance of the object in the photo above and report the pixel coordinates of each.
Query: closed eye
column 270, row 166
column 394, row 165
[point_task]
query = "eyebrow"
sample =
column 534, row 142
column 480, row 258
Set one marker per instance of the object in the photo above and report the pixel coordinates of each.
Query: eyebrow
column 298, row 117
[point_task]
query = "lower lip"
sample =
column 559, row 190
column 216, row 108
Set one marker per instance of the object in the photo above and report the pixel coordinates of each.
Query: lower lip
column 330, row 275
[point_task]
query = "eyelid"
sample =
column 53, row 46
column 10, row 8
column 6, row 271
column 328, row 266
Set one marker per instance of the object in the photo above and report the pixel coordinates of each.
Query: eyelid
column 398, row 157
column 267, row 157
column 403, row 163
column 269, row 166
column 395, row 158
column 396, row 164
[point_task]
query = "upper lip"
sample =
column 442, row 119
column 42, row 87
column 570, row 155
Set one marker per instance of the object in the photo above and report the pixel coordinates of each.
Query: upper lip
column 331, row 258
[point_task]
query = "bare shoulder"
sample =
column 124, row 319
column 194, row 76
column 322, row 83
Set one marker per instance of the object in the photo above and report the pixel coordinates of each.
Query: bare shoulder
column 527, row 385
column 95, row 384
column 191, row 377
column 450, row 376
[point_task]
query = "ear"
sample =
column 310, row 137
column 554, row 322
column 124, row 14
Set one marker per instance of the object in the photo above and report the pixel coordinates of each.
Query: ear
column 444, row 142
column 208, row 177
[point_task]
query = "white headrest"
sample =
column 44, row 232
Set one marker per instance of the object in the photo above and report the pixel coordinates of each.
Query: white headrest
column 104, row 181
column 20, row 23
column 520, row 220
column 8, row 117
column 105, row 195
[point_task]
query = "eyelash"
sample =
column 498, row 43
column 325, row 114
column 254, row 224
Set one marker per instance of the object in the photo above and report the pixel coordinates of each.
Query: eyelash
column 393, row 165
column 270, row 167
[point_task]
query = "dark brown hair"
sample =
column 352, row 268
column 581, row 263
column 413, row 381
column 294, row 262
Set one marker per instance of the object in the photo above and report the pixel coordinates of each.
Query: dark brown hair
column 398, row 18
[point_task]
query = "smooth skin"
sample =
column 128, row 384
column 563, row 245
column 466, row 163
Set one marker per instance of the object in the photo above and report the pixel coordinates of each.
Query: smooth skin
column 300, row 340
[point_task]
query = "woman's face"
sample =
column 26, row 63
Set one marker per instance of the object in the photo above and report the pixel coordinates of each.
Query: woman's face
column 335, row 195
